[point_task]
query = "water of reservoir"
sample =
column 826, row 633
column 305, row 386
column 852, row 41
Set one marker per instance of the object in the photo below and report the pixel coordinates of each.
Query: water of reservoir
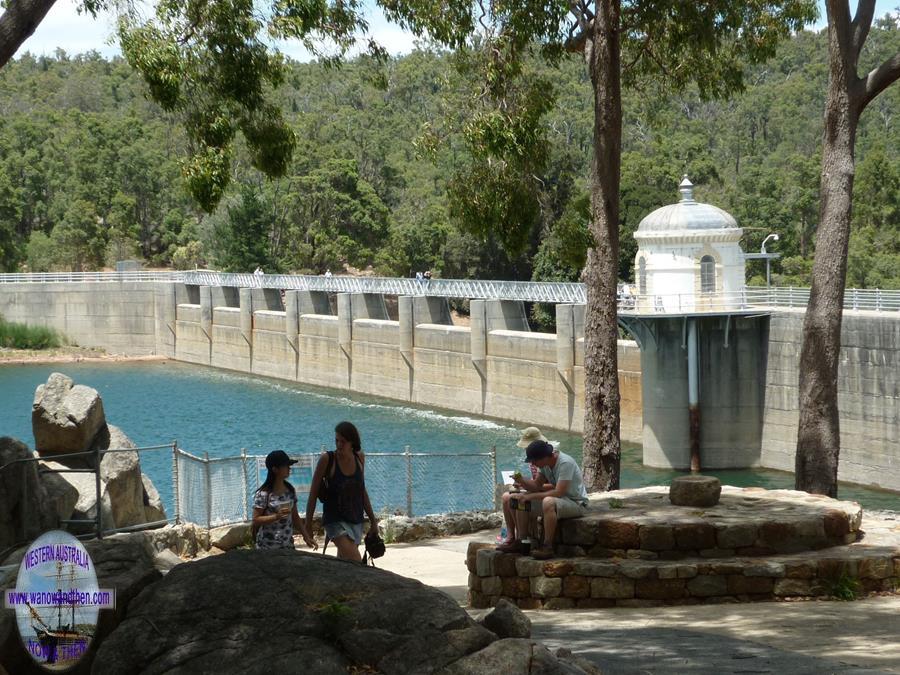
column 219, row 412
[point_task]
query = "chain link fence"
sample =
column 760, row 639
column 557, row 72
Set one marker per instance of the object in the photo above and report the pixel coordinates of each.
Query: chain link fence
column 219, row 491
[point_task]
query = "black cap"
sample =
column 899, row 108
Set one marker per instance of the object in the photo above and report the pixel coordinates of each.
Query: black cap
column 278, row 458
column 538, row 450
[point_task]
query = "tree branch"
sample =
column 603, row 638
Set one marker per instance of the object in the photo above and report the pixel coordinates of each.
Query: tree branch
column 880, row 79
column 17, row 24
column 576, row 42
column 862, row 22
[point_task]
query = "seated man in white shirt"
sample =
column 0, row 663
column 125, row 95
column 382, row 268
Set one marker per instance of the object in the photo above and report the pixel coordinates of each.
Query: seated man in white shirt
column 557, row 493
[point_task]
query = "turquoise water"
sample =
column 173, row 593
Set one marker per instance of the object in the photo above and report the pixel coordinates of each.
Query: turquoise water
column 220, row 412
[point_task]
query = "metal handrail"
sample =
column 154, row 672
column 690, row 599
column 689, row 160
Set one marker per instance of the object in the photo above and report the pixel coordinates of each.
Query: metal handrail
column 869, row 299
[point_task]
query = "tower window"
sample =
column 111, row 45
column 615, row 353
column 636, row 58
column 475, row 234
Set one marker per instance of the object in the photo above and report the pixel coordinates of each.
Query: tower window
column 707, row 274
column 642, row 276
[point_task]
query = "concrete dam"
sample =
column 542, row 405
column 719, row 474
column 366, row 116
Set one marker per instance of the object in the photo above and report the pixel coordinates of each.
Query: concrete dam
column 497, row 367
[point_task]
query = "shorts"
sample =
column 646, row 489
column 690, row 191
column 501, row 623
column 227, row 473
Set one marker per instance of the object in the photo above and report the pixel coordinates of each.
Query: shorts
column 568, row 508
column 343, row 528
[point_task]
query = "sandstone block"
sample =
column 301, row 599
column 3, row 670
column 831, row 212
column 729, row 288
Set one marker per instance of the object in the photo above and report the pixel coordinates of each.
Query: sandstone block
column 558, row 568
column 474, row 583
column 659, row 589
column 529, row 567
column 576, row 586
column 833, row 569
column 546, row 587
column 687, row 571
column 484, row 562
column 478, row 600
column 667, row 571
column 618, row 534
column 491, row 585
column 706, row 586
column 739, row 584
column 612, row 588
column 717, row 553
column 592, row 568
column 875, row 568
column 700, row 491
column 695, row 536
column 637, row 570
column 603, row 552
column 505, row 564
column 559, row 603
column 657, row 537
column 764, row 569
column 800, row 570
column 791, row 587
column 529, row 603
column 229, row 537
column 516, row 587
column 578, row 531
column 736, row 535
column 636, row 603
column 471, row 553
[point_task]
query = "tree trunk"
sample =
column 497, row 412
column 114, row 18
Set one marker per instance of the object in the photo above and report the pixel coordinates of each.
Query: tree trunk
column 602, row 448
column 818, row 438
column 18, row 22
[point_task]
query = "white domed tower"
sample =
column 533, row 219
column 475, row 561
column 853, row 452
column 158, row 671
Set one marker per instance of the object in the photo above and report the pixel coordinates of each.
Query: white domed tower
column 689, row 258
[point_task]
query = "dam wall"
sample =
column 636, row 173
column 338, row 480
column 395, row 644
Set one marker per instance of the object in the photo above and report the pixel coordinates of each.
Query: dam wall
column 491, row 367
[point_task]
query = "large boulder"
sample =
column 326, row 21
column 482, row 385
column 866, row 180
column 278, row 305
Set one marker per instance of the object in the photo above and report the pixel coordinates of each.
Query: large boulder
column 507, row 621
column 153, row 507
column 65, row 417
column 24, row 508
column 331, row 614
column 228, row 537
column 514, row 655
column 85, row 508
column 121, row 472
column 62, row 496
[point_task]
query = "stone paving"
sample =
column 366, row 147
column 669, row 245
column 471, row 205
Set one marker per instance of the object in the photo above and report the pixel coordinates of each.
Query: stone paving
column 635, row 549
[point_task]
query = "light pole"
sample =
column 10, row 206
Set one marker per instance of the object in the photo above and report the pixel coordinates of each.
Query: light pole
column 762, row 251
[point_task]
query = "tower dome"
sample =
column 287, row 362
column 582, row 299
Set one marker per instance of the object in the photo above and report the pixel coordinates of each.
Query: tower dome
column 686, row 218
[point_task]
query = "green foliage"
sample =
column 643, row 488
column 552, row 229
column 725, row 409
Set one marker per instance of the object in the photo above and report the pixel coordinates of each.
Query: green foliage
column 842, row 586
column 21, row 336
column 241, row 235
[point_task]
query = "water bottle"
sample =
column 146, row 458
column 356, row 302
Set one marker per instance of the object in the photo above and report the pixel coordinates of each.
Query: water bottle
column 502, row 536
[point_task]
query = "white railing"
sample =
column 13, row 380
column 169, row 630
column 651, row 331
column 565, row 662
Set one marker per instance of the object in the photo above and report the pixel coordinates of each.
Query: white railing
column 748, row 298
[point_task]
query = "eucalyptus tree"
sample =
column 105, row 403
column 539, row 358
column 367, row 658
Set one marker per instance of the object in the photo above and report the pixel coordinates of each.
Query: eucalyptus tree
column 849, row 93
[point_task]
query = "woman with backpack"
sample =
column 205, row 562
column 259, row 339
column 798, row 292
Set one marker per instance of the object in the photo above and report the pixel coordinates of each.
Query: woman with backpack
column 339, row 482
column 275, row 507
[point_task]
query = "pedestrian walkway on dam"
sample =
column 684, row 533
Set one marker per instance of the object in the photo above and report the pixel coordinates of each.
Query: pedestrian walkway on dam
column 814, row 637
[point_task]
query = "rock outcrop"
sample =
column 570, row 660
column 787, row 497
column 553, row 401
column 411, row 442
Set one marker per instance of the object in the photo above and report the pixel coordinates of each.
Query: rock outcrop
column 25, row 510
column 507, row 621
column 333, row 616
column 65, row 417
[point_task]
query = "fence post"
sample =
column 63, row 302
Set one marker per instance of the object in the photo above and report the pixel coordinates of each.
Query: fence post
column 244, row 481
column 409, row 476
column 177, row 497
column 99, row 503
column 208, row 491
column 877, row 300
column 494, row 495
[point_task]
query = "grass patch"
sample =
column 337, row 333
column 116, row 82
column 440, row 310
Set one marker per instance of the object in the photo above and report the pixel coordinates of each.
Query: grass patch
column 843, row 587
column 20, row 336
column 615, row 503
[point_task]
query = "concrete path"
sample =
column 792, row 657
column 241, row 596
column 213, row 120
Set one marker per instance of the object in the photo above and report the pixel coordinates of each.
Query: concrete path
column 789, row 638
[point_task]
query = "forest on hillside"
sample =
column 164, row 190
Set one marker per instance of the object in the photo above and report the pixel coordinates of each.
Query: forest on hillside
column 90, row 171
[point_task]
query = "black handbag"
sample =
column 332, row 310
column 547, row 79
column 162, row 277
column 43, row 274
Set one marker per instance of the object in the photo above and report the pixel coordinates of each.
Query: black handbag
column 374, row 547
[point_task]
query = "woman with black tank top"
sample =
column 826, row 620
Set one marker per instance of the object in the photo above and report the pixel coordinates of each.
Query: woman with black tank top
column 346, row 497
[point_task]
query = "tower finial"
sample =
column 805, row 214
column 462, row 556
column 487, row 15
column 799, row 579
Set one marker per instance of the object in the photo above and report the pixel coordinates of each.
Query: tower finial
column 686, row 188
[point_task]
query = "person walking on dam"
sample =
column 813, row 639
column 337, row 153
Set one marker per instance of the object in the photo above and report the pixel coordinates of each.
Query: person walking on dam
column 339, row 482
column 275, row 507
column 557, row 493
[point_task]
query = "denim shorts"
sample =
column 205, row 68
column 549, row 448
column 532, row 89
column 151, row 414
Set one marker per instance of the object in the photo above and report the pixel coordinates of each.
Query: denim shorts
column 342, row 528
